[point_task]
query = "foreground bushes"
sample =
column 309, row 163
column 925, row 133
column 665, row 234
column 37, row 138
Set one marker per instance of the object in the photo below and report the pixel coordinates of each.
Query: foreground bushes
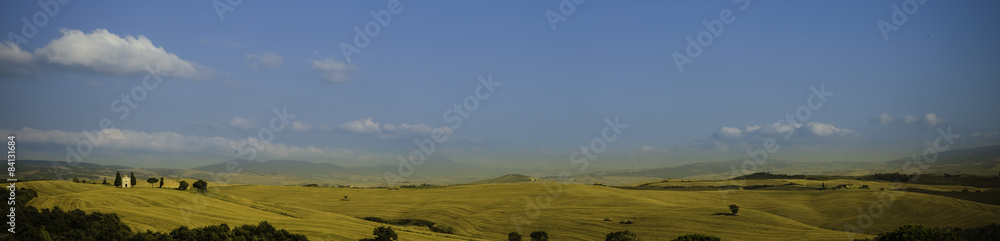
column 56, row 224
column 919, row 232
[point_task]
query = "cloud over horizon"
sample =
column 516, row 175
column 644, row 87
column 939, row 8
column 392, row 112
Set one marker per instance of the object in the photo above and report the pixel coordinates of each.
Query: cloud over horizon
column 389, row 131
column 928, row 120
column 129, row 140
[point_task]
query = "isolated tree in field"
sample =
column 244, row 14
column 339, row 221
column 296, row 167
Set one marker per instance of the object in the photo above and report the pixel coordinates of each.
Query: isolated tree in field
column 200, row 185
column 118, row 179
column 696, row 237
column 151, row 181
column 105, row 181
column 621, row 236
column 513, row 236
column 733, row 208
column 161, row 182
column 76, row 179
column 182, row 186
column 539, row 236
column 132, row 175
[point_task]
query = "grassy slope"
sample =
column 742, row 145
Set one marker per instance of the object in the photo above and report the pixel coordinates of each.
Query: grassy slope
column 484, row 211
column 165, row 209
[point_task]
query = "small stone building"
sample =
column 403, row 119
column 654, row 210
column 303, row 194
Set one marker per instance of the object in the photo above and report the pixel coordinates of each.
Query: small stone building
column 126, row 182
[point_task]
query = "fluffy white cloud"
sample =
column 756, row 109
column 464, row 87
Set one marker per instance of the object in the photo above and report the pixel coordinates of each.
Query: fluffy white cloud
column 729, row 133
column 364, row 126
column 104, row 53
column 929, row 120
column 333, row 70
column 264, row 60
column 241, row 123
column 15, row 62
column 775, row 130
column 391, row 131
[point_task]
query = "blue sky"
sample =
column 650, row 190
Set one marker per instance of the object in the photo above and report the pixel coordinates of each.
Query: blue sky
column 222, row 79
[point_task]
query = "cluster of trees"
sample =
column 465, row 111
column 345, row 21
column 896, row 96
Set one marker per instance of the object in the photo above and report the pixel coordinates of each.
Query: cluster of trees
column 201, row 185
column 382, row 234
column 892, row 177
column 440, row 228
column 56, row 224
column 768, row 175
column 696, row 237
column 920, row 232
column 614, row 236
column 535, row 236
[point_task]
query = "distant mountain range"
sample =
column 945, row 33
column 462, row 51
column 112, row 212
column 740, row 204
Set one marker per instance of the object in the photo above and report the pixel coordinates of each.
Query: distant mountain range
column 509, row 178
column 978, row 161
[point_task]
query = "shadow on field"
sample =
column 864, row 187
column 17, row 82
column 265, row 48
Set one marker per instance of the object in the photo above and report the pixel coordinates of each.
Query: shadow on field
column 727, row 214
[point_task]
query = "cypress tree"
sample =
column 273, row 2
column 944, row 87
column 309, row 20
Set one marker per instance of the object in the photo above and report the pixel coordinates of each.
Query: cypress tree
column 133, row 179
column 161, row 182
column 118, row 179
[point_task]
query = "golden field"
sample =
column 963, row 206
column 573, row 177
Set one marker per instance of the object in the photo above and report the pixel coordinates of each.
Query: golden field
column 485, row 211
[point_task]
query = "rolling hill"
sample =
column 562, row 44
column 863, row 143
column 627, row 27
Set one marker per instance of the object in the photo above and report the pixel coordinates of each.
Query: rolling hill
column 488, row 211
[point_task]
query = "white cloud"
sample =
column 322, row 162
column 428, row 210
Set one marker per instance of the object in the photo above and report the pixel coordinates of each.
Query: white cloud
column 392, row 131
column 15, row 62
column 775, row 130
column 103, row 53
column 932, row 120
column 929, row 120
column 264, row 60
column 332, row 70
column 120, row 139
column 729, row 133
column 364, row 126
column 825, row 129
column 241, row 123
column 884, row 118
